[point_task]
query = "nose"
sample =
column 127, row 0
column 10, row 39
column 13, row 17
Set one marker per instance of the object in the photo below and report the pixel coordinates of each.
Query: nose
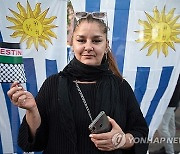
column 88, row 46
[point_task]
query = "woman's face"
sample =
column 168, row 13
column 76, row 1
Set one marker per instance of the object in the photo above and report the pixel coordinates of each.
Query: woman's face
column 89, row 43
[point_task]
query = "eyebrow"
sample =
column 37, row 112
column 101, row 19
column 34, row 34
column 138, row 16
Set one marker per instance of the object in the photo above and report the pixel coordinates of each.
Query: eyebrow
column 96, row 36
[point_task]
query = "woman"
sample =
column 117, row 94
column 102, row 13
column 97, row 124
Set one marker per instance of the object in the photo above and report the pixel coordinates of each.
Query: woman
column 57, row 120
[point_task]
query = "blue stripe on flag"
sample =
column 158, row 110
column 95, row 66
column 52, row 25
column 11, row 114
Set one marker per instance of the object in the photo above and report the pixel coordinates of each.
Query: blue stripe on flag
column 164, row 80
column 92, row 5
column 13, row 117
column 1, row 40
column 141, row 82
column 51, row 67
column 30, row 75
column 1, row 149
column 121, row 15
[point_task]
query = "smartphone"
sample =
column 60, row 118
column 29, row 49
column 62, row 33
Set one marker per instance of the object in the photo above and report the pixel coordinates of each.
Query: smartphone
column 100, row 124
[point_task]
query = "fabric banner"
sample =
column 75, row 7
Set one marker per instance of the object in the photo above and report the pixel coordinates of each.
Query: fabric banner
column 145, row 42
column 40, row 28
column 11, row 63
column 152, row 57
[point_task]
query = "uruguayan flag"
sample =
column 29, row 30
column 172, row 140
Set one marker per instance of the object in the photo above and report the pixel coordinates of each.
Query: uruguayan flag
column 40, row 27
column 144, row 36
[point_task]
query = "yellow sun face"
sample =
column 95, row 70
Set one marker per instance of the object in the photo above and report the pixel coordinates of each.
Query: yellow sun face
column 32, row 26
column 160, row 32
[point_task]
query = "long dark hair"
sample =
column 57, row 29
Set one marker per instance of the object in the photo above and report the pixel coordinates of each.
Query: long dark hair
column 111, row 60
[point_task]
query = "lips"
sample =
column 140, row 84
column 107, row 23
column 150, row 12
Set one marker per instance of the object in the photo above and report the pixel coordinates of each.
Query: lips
column 89, row 55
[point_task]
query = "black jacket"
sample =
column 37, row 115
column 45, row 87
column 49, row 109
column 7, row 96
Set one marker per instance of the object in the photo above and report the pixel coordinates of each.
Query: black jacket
column 57, row 133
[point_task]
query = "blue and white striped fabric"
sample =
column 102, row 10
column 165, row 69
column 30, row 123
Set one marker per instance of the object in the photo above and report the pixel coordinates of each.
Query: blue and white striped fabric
column 152, row 77
column 41, row 26
column 152, row 70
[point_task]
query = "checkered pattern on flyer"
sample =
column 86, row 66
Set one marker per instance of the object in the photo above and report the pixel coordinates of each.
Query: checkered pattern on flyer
column 12, row 72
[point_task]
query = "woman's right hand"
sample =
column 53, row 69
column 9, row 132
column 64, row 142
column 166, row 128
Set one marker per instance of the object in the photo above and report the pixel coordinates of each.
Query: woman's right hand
column 20, row 97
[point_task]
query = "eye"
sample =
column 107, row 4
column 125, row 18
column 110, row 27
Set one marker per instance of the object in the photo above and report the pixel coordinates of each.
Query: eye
column 80, row 40
column 97, row 41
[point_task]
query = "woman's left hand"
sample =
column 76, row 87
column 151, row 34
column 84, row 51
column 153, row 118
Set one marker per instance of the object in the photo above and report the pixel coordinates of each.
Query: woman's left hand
column 104, row 141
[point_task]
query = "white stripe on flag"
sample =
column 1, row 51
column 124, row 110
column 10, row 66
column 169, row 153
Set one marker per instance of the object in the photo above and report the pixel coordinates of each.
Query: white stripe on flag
column 5, row 128
column 40, row 69
column 78, row 5
column 154, row 77
column 109, row 7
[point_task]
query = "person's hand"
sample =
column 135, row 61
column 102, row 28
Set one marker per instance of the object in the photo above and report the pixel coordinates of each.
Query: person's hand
column 111, row 140
column 20, row 97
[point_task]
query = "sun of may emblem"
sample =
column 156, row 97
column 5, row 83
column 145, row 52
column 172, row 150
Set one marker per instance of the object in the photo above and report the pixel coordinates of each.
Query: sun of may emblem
column 32, row 26
column 160, row 32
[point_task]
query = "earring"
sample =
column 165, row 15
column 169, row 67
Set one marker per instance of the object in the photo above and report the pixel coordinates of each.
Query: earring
column 106, row 55
column 106, row 52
